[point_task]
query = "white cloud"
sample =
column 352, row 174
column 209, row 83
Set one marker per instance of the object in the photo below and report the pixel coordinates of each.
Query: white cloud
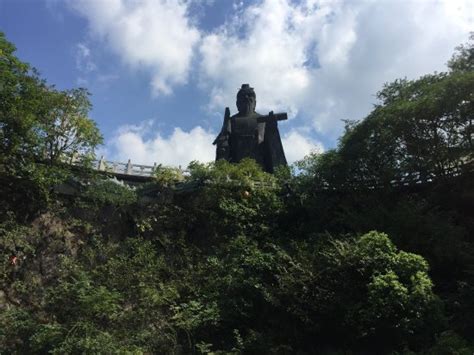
column 320, row 60
column 297, row 146
column 177, row 149
column 84, row 61
column 265, row 45
column 376, row 42
column 180, row 147
column 152, row 35
column 326, row 59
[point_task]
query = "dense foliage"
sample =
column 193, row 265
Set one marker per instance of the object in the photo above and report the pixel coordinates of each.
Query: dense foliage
column 368, row 249
column 38, row 124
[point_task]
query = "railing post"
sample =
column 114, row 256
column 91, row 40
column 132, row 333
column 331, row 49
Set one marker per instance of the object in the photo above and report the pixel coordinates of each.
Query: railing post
column 74, row 157
column 129, row 167
column 101, row 165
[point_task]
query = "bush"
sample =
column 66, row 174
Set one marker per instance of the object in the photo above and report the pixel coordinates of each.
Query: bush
column 109, row 192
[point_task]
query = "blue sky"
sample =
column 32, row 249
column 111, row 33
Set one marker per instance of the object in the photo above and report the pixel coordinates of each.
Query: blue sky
column 161, row 72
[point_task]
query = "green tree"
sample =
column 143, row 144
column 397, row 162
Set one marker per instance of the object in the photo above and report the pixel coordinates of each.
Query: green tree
column 420, row 130
column 21, row 92
column 373, row 295
column 38, row 122
column 38, row 125
column 65, row 129
column 463, row 59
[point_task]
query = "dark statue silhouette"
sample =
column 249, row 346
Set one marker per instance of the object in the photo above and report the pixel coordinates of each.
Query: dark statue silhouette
column 247, row 134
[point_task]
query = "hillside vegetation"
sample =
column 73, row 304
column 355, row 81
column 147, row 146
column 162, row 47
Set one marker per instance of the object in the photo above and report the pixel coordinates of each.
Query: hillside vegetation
column 366, row 248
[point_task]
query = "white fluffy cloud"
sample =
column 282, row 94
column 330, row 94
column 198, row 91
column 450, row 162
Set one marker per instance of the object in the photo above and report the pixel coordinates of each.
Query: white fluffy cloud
column 369, row 43
column 320, row 60
column 327, row 59
column 265, row 45
column 297, row 146
column 177, row 149
column 324, row 59
column 180, row 147
column 153, row 35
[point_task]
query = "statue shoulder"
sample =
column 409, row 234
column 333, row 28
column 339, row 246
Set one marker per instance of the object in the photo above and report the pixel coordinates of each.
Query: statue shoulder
column 253, row 115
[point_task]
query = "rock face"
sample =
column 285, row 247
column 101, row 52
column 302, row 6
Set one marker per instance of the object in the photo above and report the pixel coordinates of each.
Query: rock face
column 248, row 134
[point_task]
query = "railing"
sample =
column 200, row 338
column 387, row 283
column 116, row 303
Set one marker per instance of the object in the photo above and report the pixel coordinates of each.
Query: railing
column 407, row 180
column 147, row 171
column 124, row 168
column 119, row 168
column 130, row 169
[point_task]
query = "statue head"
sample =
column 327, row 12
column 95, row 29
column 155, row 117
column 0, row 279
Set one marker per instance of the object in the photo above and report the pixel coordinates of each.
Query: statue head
column 246, row 100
